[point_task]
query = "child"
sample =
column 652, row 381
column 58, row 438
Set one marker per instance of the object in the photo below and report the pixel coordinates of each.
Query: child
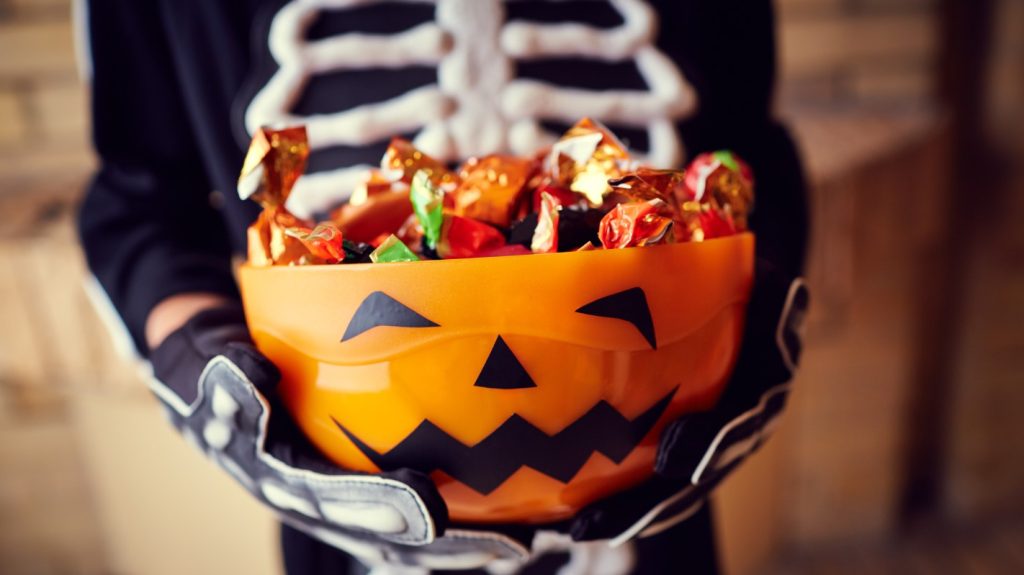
column 178, row 87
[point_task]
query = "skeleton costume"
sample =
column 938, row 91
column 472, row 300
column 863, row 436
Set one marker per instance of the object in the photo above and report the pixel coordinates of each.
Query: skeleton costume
column 179, row 86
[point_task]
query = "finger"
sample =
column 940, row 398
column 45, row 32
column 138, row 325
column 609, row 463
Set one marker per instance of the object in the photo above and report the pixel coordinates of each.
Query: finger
column 231, row 424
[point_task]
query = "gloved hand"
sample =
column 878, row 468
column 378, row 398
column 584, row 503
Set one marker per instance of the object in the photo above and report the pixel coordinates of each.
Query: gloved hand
column 219, row 394
column 697, row 451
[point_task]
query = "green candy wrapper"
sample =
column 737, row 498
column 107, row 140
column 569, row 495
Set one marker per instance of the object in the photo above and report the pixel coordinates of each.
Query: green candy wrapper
column 393, row 250
column 427, row 203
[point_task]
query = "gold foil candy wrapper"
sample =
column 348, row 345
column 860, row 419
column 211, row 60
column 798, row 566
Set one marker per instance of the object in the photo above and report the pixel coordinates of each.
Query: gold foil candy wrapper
column 275, row 160
column 648, row 184
column 269, row 240
column 402, row 160
column 586, row 157
column 491, row 187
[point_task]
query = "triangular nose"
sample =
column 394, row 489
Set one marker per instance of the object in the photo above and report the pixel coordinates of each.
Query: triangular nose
column 502, row 370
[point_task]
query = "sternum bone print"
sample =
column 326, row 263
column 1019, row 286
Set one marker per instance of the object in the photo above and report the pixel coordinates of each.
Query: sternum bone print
column 473, row 75
column 478, row 105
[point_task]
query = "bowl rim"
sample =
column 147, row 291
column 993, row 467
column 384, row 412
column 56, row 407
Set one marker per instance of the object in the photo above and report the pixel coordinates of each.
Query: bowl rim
column 461, row 261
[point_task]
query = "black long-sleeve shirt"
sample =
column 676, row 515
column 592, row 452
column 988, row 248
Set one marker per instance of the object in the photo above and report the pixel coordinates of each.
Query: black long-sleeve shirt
column 172, row 80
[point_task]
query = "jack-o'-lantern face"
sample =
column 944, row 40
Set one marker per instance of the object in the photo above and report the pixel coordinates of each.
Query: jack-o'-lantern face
column 528, row 386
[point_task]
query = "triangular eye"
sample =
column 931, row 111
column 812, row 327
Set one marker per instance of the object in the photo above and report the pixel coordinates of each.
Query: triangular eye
column 380, row 309
column 628, row 305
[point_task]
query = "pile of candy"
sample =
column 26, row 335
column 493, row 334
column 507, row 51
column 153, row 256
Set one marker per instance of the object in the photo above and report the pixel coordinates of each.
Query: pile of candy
column 583, row 193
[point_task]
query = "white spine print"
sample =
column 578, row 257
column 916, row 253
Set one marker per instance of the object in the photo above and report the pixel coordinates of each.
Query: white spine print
column 477, row 106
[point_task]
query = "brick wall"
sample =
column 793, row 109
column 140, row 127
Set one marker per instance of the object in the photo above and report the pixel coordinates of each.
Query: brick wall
column 43, row 105
column 867, row 52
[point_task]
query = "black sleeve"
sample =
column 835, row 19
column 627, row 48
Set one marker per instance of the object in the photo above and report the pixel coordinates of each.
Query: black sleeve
column 147, row 226
column 726, row 49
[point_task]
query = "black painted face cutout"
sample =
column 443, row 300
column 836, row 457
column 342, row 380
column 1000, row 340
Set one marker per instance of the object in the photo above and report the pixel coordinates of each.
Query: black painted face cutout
column 380, row 309
column 502, row 370
column 628, row 305
column 518, row 443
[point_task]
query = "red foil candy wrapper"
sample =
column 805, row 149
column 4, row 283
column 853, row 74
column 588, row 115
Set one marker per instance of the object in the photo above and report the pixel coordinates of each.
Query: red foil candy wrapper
column 465, row 238
column 701, row 221
column 402, row 160
column 565, row 196
column 636, row 224
column 723, row 178
column 490, row 188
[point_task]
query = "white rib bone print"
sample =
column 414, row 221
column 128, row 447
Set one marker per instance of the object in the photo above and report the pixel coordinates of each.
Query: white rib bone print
column 478, row 105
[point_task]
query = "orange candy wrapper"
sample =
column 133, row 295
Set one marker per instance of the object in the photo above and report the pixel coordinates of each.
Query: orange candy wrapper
column 636, row 224
column 402, row 160
column 584, row 190
column 490, row 188
column 383, row 212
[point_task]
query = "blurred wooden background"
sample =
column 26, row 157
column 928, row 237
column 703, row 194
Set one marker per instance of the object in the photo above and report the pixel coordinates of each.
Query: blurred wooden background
column 902, row 448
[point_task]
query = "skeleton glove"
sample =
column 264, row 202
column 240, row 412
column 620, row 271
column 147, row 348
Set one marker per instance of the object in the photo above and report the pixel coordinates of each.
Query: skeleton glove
column 697, row 451
column 219, row 394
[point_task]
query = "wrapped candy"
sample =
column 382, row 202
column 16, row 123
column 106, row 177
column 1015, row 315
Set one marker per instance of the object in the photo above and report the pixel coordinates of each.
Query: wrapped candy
column 583, row 193
column 380, row 213
column 392, row 250
column 636, row 224
column 269, row 240
column 704, row 221
column 722, row 177
column 324, row 242
column 545, row 235
column 649, row 184
column 586, row 157
column 465, row 238
column 402, row 161
column 490, row 188
column 565, row 196
column 411, row 232
column 576, row 227
column 428, row 205
column 275, row 160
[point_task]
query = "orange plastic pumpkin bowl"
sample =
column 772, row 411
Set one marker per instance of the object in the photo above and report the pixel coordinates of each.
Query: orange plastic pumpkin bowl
column 527, row 386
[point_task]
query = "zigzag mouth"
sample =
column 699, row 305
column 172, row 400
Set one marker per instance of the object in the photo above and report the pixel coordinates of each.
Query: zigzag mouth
column 518, row 443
